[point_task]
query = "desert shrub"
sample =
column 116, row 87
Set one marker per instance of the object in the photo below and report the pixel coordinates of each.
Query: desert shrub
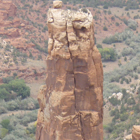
column 14, row 74
column 124, row 92
column 136, row 76
column 4, row 94
column 114, row 101
column 110, row 127
column 25, row 120
column 132, row 24
column 28, row 104
column 9, row 137
column 25, row 104
column 105, row 6
column 45, row 29
column 138, row 69
column 3, row 110
column 20, row 133
column 44, row 16
column 110, row 88
column 114, row 112
column 125, row 21
column 119, row 37
column 44, row 50
column 124, row 117
column 127, row 51
column 136, row 17
column 113, row 18
column 4, row 132
column 17, row 86
column 7, row 79
column 130, row 101
column 137, row 108
column 108, row 54
column 5, row 123
column 117, row 24
column 99, row 46
column 32, row 129
column 105, row 28
column 84, row 10
column 125, row 58
column 126, row 8
column 12, row 105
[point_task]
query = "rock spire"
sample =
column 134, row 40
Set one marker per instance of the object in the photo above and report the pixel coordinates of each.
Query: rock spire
column 71, row 102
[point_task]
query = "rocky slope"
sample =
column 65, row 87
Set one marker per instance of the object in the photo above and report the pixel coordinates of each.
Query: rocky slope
column 71, row 102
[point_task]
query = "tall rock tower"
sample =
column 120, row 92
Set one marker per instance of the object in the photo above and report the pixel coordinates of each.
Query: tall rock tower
column 71, row 102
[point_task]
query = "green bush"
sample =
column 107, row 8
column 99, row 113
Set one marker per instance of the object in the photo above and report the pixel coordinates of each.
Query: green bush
column 110, row 127
column 119, row 37
column 105, row 7
column 3, row 110
column 132, row 24
column 9, row 137
column 105, row 28
column 117, row 24
column 113, row 18
column 114, row 101
column 7, row 79
column 4, row 132
column 137, row 108
column 108, row 54
column 5, row 123
column 124, row 117
column 18, row 86
column 130, row 101
column 99, row 46
column 12, row 105
column 45, row 29
column 114, row 112
column 4, row 94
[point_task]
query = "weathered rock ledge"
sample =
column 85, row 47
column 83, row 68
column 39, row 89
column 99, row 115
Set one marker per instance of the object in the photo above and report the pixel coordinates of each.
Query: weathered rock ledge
column 71, row 102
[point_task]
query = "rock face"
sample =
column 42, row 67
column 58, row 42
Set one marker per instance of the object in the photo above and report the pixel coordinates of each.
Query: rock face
column 7, row 9
column 71, row 102
column 136, row 133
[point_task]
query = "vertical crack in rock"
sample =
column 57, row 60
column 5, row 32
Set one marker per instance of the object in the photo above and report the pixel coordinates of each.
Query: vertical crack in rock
column 40, row 133
column 71, row 102
column 82, row 131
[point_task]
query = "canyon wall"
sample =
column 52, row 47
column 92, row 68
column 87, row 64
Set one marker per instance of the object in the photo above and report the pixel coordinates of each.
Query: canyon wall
column 71, row 102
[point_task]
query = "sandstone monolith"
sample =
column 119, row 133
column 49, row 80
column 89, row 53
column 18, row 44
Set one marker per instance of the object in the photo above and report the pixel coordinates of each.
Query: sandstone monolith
column 71, row 102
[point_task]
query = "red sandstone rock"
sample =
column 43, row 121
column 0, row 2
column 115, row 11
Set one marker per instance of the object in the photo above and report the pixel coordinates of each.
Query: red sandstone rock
column 7, row 9
column 71, row 102
column 136, row 133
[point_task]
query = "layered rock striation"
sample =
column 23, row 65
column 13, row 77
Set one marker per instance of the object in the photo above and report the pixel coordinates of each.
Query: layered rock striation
column 136, row 133
column 71, row 102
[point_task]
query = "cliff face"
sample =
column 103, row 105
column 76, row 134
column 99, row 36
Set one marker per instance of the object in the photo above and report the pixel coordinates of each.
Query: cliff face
column 71, row 102
column 136, row 133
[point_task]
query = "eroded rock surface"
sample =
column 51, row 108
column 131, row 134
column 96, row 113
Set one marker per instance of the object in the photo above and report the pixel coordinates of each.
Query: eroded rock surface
column 71, row 102
column 136, row 133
